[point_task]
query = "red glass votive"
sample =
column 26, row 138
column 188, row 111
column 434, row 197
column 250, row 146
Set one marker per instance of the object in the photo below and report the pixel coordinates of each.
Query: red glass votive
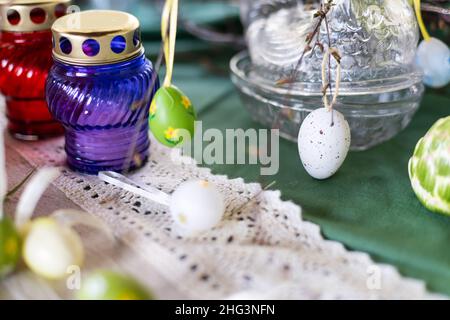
column 25, row 60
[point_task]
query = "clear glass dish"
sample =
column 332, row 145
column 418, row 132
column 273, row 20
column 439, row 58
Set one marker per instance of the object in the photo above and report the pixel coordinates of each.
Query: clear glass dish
column 376, row 109
column 377, row 39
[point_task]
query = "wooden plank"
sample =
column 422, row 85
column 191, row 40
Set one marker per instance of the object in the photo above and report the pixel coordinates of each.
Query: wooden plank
column 99, row 254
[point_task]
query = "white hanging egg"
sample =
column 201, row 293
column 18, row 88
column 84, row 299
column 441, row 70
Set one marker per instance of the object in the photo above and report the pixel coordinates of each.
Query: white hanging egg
column 433, row 58
column 197, row 206
column 323, row 142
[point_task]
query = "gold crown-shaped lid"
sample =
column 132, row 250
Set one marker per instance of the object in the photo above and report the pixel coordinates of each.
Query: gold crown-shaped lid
column 30, row 15
column 96, row 37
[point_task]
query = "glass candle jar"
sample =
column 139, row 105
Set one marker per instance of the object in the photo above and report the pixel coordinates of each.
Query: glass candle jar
column 100, row 89
column 26, row 58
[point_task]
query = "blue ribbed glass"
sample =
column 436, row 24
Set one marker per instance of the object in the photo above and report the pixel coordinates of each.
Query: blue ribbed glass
column 104, row 110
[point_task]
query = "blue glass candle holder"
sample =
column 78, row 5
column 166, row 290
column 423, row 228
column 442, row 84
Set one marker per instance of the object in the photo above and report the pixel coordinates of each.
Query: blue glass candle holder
column 100, row 89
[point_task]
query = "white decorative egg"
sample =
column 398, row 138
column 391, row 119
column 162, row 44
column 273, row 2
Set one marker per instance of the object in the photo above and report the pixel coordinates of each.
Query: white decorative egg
column 433, row 58
column 323, row 142
column 197, row 206
column 50, row 248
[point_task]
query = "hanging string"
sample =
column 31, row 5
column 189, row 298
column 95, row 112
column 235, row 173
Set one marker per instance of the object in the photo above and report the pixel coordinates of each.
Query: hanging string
column 422, row 26
column 169, row 21
column 326, row 56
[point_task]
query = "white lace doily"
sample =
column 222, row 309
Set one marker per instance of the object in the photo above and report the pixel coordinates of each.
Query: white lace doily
column 264, row 250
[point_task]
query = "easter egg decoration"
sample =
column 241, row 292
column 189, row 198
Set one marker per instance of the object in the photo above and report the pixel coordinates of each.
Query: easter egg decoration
column 108, row 285
column 323, row 142
column 432, row 57
column 172, row 116
column 171, row 112
column 9, row 247
column 429, row 168
column 195, row 206
column 324, row 138
column 49, row 245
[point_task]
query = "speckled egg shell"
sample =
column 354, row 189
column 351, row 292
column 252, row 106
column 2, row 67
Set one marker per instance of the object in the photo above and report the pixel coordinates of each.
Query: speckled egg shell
column 323, row 143
column 170, row 111
column 197, row 206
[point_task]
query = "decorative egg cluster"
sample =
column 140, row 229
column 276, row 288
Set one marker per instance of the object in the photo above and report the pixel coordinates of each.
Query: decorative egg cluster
column 108, row 285
column 323, row 142
column 429, row 168
column 172, row 116
column 433, row 58
column 48, row 246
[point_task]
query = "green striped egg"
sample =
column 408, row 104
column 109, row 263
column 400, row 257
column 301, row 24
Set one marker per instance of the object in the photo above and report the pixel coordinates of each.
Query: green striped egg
column 429, row 168
column 171, row 111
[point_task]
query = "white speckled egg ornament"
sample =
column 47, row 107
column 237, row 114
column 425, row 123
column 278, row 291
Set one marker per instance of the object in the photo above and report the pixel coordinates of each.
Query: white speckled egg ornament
column 197, row 206
column 323, row 142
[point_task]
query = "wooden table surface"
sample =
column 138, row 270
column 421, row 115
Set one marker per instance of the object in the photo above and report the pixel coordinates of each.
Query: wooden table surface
column 99, row 255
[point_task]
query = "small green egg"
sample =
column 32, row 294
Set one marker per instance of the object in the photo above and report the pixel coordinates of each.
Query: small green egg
column 108, row 285
column 170, row 112
column 9, row 247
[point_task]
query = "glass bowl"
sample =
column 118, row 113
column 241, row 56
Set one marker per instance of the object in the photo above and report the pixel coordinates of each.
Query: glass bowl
column 377, row 39
column 376, row 109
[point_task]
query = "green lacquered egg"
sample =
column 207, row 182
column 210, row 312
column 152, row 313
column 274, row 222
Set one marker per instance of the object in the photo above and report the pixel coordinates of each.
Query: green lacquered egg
column 9, row 247
column 429, row 168
column 108, row 285
column 170, row 112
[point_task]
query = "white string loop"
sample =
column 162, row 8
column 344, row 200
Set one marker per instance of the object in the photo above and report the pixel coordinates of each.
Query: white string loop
column 326, row 56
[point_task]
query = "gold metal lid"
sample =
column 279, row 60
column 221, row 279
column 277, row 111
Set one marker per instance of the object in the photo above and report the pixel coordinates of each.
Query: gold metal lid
column 30, row 15
column 96, row 37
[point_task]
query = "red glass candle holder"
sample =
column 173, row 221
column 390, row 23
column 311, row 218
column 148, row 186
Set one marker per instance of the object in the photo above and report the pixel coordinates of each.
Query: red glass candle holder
column 25, row 60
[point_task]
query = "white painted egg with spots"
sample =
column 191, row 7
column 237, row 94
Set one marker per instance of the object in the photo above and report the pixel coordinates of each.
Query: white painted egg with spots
column 197, row 206
column 323, row 142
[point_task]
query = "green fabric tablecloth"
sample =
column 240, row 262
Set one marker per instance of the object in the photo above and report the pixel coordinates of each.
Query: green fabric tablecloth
column 368, row 206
